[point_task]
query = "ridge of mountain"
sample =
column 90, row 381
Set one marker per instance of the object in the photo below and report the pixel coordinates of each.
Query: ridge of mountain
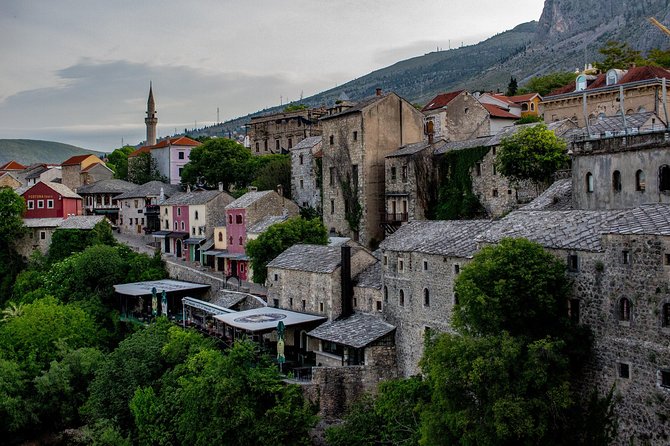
column 30, row 151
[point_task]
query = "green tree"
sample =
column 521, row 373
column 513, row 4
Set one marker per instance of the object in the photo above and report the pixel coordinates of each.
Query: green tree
column 271, row 171
column 659, row 57
column 12, row 207
column 118, row 162
column 66, row 242
column 295, row 107
column 618, row 55
column 219, row 160
column 544, row 85
column 278, row 238
column 533, row 153
column 143, row 168
column 16, row 412
column 512, row 87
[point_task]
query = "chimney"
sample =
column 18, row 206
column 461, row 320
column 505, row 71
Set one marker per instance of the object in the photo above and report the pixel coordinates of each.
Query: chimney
column 347, row 288
column 280, row 190
column 253, row 189
column 220, row 186
column 378, row 91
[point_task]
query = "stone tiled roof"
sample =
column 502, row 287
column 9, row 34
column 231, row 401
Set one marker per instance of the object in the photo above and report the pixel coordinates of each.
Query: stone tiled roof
column 62, row 190
column 558, row 197
column 576, row 229
column 466, row 144
column 81, row 221
column 307, row 143
column 150, row 189
column 264, row 223
column 248, row 199
column 42, row 222
column 651, row 219
column 448, row 238
column 371, row 277
column 192, row 198
column 310, row 258
column 357, row 330
column 227, row 299
column 107, row 187
column 411, row 149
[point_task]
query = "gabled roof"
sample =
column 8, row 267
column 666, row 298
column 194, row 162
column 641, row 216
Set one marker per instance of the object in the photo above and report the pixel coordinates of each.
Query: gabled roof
column 248, row 199
column 193, row 198
column 59, row 188
column 441, row 100
column 633, row 74
column 96, row 166
column 497, row 112
column 455, row 238
column 411, row 149
column 12, row 165
column 75, row 160
column 523, row 97
column 264, row 223
column 558, row 197
column 310, row 258
column 53, row 222
column 357, row 330
column 143, row 149
column 370, row 277
column 81, row 221
column 360, row 106
column 176, row 141
column 307, row 143
column 106, row 187
column 150, row 189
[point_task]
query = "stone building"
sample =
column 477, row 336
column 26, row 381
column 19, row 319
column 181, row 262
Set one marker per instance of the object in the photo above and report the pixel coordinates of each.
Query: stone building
column 642, row 89
column 456, row 116
column 100, row 198
column 8, row 179
column 139, row 210
column 279, row 132
column 39, row 231
column 41, row 172
column 355, row 143
column 621, row 172
column 306, row 173
column 419, row 264
column 51, row 200
column 77, row 171
column 529, row 103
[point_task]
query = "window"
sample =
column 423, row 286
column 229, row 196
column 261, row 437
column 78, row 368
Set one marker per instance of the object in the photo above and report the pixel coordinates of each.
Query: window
column 181, row 155
column 181, row 169
column 238, row 219
column 277, row 145
column 332, row 348
column 276, row 277
column 230, row 240
column 495, row 170
column 166, row 211
column 624, row 310
column 258, row 148
column 355, row 135
column 354, row 175
column 623, row 370
column 40, row 204
column 176, row 226
column 478, row 169
column 50, row 204
column 386, row 259
column 532, row 106
column 290, row 302
column 183, row 225
column 666, row 259
column 241, row 240
column 665, row 378
column 665, row 315
column 379, row 306
column 494, row 192
column 401, row 265
column 178, row 211
column 581, row 83
column 589, row 182
column 404, row 174
column 573, row 262
column 265, row 145
column 386, row 295
column 616, row 181
column 625, row 257
column 332, row 206
column 304, row 304
column 301, row 159
column 664, row 178
column 220, row 236
column 425, row 265
column 331, row 140
column 321, row 306
column 457, row 268
column 290, row 143
column 31, row 204
column 640, row 181
column 302, row 184
column 193, row 230
column 455, row 298
column 167, row 224
column 43, row 235
column 393, row 174
column 401, row 298
column 573, row 310
column 230, row 219
column 331, row 173
column 426, row 297
column 275, row 303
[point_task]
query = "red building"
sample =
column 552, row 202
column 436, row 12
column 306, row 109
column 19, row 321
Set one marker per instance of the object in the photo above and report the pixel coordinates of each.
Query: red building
column 51, row 200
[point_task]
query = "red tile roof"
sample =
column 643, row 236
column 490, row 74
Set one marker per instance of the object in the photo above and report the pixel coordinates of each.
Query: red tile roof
column 522, row 97
column 141, row 150
column 77, row 159
column 498, row 112
column 634, row 74
column 12, row 165
column 441, row 100
column 503, row 98
column 176, row 141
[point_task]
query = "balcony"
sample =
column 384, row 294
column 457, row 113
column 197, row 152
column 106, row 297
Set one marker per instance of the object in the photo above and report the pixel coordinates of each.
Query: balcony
column 394, row 217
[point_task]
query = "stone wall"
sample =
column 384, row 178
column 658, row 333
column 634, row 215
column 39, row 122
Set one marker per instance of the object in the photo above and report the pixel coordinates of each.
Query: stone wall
column 270, row 204
column 282, row 131
column 304, row 189
column 367, row 300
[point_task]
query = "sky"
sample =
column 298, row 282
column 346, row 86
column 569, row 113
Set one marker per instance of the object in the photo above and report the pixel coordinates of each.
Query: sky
column 78, row 71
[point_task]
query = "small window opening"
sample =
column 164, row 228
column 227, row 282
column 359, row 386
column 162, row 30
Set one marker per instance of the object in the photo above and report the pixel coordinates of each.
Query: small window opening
column 625, row 257
column 589, row 182
column 401, row 298
column 426, row 297
column 624, row 310
column 573, row 262
column 640, row 181
column 624, row 370
column 616, row 181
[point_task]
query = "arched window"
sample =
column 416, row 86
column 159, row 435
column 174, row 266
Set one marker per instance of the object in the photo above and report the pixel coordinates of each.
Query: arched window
column 230, row 219
column 220, row 236
column 640, row 181
column 581, row 83
column 624, row 310
column 238, row 219
column 665, row 315
column 426, row 297
column 183, row 226
column 401, row 298
column 175, row 226
column 301, row 159
column 196, row 215
column 616, row 181
column 241, row 241
column 589, row 182
column 230, row 240
column 664, row 178
column 532, row 106
column 386, row 295
column 524, row 107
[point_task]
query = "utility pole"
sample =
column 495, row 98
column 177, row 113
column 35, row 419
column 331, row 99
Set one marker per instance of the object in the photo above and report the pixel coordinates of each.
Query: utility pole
column 217, row 115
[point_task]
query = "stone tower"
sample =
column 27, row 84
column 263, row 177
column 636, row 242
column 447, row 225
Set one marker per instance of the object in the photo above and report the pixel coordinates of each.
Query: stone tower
column 151, row 120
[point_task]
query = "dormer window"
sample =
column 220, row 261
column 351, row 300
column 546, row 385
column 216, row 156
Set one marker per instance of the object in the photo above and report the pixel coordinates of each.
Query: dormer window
column 613, row 76
column 581, row 83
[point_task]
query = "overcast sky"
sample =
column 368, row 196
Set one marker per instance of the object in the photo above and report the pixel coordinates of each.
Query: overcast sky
column 78, row 71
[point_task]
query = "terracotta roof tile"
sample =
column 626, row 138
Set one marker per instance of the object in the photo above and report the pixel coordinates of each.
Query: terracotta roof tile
column 498, row 112
column 176, row 141
column 77, row 159
column 143, row 149
column 441, row 100
column 12, row 165
column 523, row 97
column 633, row 74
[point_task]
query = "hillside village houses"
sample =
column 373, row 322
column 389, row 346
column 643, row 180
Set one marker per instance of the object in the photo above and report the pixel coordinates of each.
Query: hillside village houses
column 84, row 169
column 139, row 208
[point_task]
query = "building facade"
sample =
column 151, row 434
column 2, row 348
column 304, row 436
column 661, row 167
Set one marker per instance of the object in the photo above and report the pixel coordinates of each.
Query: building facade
column 279, row 132
column 456, row 116
column 306, row 172
column 51, row 200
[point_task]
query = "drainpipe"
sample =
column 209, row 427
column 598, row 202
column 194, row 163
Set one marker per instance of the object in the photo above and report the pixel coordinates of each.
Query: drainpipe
column 623, row 109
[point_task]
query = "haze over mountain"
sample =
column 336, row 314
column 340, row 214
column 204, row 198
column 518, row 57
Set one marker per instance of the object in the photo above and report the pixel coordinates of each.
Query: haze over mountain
column 29, row 151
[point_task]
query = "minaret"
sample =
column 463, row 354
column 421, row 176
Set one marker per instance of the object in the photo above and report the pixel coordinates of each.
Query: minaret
column 151, row 120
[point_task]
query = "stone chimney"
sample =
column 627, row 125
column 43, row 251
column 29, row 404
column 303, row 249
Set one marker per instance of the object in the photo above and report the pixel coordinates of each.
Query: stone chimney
column 378, row 91
column 220, row 186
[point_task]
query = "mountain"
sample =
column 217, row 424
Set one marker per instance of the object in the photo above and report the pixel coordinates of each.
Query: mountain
column 566, row 37
column 29, row 151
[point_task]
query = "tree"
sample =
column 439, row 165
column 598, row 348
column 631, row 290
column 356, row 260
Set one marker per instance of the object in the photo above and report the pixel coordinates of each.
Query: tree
column 66, row 242
column 544, row 85
column 219, row 160
column 533, row 153
column 12, row 207
column 512, row 87
column 278, row 238
column 118, row 162
column 144, row 168
column 618, row 55
column 271, row 171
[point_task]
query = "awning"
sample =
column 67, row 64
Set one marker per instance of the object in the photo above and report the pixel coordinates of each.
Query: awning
column 194, row 240
column 160, row 234
column 105, row 211
column 208, row 244
column 213, row 252
column 266, row 319
column 177, row 235
column 205, row 306
column 169, row 285
column 233, row 255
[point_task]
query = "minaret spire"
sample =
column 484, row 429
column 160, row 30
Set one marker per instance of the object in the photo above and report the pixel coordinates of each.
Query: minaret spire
column 152, row 119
